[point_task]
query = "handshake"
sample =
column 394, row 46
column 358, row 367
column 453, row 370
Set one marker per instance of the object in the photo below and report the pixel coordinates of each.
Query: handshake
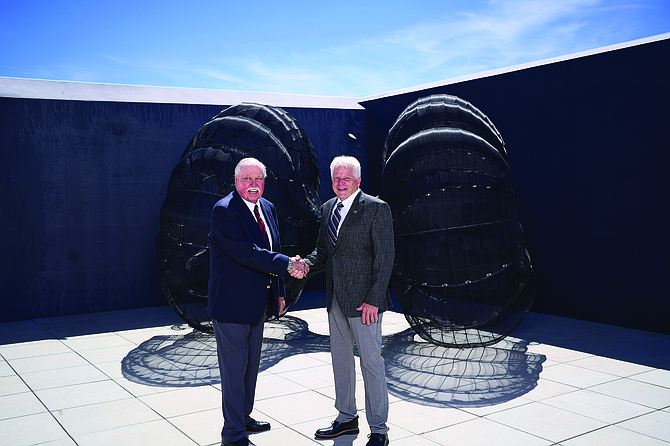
column 300, row 268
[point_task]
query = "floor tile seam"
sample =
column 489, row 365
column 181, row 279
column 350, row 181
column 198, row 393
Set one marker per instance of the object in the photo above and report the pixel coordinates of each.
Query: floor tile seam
column 420, row 399
column 562, row 439
column 52, row 330
column 614, row 378
column 169, row 420
column 548, row 357
column 68, row 384
column 87, row 363
column 648, row 410
column 156, row 412
column 124, row 426
column 639, row 363
column 438, row 428
column 311, row 355
column 173, row 389
column 307, row 390
column 633, row 378
column 635, row 401
column 284, row 395
column 87, row 350
column 37, row 355
column 645, row 434
column 575, row 362
column 47, row 359
column 30, row 389
column 158, row 390
column 424, row 436
column 98, row 403
column 128, row 338
column 607, row 425
column 15, row 417
column 435, row 441
column 332, row 397
column 72, row 341
column 285, row 372
column 486, row 418
column 636, row 417
column 284, row 426
column 51, row 414
column 618, row 425
column 104, row 373
column 413, row 397
column 652, row 410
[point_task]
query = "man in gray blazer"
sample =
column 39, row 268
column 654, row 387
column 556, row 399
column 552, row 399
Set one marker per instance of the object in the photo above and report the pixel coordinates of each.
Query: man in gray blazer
column 356, row 247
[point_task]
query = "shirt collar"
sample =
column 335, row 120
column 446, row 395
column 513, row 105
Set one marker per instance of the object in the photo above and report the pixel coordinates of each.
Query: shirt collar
column 348, row 202
column 251, row 205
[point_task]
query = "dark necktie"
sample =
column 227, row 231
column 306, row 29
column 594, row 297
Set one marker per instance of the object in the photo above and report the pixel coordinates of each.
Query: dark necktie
column 334, row 223
column 261, row 225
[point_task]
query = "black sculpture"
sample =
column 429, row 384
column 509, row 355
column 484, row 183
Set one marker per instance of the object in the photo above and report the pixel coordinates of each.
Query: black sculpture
column 462, row 274
column 205, row 174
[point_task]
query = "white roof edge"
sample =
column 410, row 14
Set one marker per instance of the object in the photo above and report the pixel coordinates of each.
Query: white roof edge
column 84, row 91
column 521, row 67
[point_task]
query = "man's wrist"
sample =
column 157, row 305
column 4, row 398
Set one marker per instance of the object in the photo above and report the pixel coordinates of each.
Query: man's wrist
column 290, row 265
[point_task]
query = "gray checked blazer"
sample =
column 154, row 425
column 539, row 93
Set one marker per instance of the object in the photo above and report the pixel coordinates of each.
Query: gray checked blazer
column 359, row 267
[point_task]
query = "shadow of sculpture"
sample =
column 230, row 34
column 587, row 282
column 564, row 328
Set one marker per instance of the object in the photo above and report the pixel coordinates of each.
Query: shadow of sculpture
column 432, row 375
column 416, row 371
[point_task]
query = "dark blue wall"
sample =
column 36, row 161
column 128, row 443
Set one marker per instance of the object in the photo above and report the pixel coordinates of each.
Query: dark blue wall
column 588, row 147
column 82, row 186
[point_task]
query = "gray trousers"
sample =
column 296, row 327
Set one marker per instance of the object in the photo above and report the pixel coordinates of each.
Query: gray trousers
column 239, row 353
column 344, row 332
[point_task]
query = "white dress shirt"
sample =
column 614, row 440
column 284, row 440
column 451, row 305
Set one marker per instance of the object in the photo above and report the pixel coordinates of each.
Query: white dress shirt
column 345, row 210
column 251, row 206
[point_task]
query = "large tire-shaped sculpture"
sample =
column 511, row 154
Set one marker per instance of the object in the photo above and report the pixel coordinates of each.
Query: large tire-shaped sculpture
column 205, row 174
column 461, row 274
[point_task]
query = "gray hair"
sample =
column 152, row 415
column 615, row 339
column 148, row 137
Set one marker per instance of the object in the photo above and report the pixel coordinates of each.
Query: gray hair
column 348, row 162
column 250, row 162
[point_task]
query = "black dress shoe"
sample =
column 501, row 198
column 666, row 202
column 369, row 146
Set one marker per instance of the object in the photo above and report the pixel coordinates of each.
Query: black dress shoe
column 336, row 429
column 244, row 441
column 378, row 440
column 257, row 426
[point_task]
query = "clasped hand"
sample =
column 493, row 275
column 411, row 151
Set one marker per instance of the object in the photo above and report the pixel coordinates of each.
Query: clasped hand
column 300, row 268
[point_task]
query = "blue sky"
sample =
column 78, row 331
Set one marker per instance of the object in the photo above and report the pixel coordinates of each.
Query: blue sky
column 345, row 48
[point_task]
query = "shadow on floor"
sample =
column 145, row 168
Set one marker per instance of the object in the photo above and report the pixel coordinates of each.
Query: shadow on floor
column 416, row 371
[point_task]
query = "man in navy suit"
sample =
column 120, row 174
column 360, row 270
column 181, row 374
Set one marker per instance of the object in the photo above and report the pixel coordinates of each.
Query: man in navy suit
column 246, row 272
column 356, row 247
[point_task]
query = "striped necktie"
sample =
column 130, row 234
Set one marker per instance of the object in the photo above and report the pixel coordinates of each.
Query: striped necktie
column 334, row 223
column 261, row 225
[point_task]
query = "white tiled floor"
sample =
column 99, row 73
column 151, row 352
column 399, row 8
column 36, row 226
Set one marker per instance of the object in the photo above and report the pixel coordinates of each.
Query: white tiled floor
column 144, row 377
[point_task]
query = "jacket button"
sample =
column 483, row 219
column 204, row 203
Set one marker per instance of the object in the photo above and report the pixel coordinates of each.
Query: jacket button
column 268, row 287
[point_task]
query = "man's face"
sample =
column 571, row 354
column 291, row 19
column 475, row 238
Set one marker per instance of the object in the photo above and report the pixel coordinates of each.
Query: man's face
column 250, row 183
column 344, row 184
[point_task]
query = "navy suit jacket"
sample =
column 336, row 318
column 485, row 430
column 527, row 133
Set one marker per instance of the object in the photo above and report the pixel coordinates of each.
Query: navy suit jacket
column 241, row 268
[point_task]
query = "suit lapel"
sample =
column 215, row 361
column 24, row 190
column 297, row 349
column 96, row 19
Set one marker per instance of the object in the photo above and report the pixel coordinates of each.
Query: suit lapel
column 353, row 213
column 328, row 211
column 272, row 227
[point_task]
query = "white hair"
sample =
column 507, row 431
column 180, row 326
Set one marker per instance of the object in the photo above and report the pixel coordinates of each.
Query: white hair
column 348, row 162
column 250, row 162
